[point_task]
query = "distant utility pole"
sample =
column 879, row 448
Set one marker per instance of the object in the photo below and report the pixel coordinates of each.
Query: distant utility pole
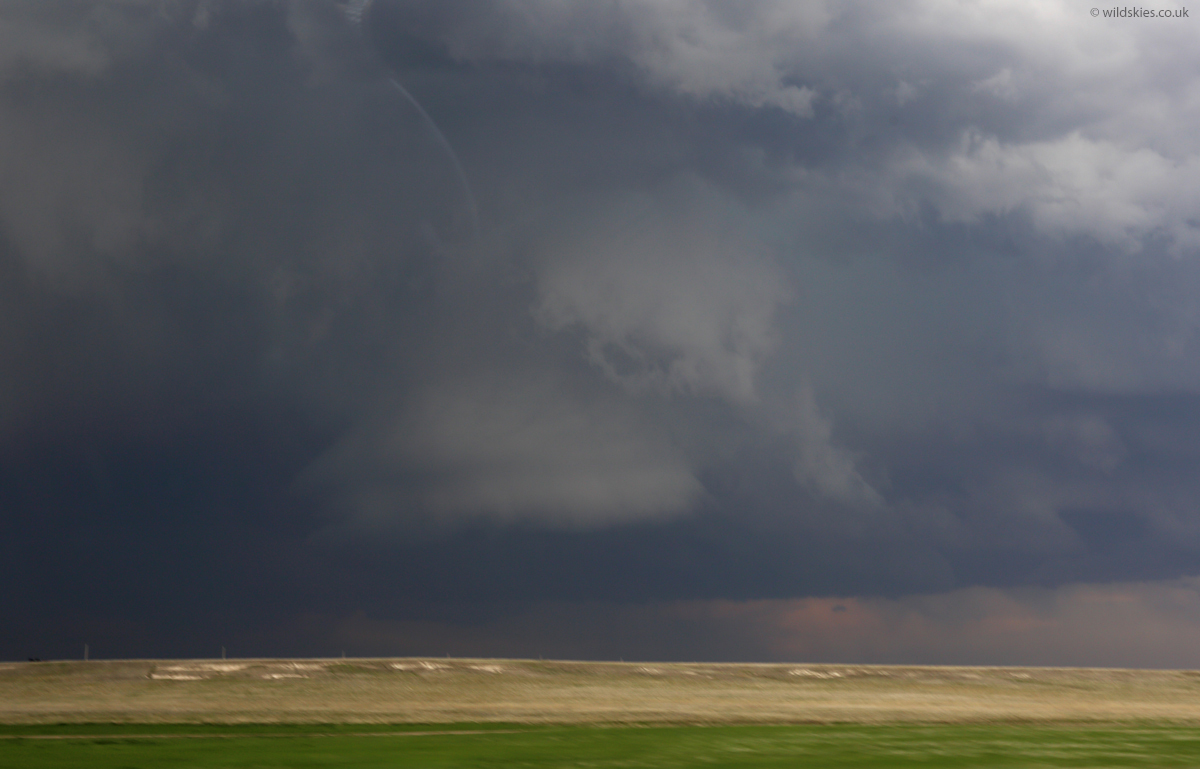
column 222, row 652
column 85, row 653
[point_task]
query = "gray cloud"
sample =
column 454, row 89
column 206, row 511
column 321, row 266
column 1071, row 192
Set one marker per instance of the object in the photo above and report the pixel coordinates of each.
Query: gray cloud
column 516, row 448
column 827, row 469
column 692, row 48
column 777, row 300
column 75, row 39
column 668, row 301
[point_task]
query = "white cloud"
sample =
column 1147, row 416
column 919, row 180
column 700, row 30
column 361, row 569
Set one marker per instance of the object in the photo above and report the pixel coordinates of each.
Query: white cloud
column 1001, row 85
column 702, row 50
column 1097, row 134
column 1069, row 186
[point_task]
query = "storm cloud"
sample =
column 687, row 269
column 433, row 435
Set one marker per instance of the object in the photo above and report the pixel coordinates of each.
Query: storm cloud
column 451, row 320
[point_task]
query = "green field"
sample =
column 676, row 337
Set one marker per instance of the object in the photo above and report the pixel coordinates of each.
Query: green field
column 496, row 745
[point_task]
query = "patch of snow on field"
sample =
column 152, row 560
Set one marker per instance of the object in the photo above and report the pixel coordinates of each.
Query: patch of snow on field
column 809, row 673
column 175, row 677
column 488, row 668
column 418, row 666
column 208, row 667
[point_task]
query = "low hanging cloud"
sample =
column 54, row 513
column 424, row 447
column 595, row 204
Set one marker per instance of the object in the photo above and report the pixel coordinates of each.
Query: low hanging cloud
column 822, row 467
column 512, row 448
column 666, row 300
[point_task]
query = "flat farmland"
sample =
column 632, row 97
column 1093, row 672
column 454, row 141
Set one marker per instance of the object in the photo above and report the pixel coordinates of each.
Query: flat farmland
column 660, row 747
column 448, row 691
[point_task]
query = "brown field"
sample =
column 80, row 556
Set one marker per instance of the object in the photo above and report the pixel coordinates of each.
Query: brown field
column 458, row 690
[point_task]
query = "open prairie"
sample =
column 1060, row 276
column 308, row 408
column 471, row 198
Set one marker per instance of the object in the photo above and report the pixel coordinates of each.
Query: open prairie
column 430, row 691
column 893, row 746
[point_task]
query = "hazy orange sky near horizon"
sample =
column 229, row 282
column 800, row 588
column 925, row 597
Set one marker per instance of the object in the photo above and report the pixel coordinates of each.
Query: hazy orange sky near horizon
column 1122, row 625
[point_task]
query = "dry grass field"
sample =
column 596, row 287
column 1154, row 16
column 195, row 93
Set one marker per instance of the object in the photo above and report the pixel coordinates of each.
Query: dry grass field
column 528, row 691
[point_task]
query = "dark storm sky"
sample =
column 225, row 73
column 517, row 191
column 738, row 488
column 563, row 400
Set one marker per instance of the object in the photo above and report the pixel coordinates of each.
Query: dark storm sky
column 647, row 328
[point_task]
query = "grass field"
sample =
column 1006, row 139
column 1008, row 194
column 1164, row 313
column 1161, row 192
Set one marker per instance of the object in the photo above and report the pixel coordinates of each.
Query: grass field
column 531, row 691
column 485, row 713
column 578, row 746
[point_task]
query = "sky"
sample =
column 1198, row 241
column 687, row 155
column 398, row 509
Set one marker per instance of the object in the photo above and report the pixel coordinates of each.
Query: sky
column 627, row 329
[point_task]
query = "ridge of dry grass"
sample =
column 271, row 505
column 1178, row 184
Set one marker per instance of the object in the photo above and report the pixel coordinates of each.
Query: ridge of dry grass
column 411, row 690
